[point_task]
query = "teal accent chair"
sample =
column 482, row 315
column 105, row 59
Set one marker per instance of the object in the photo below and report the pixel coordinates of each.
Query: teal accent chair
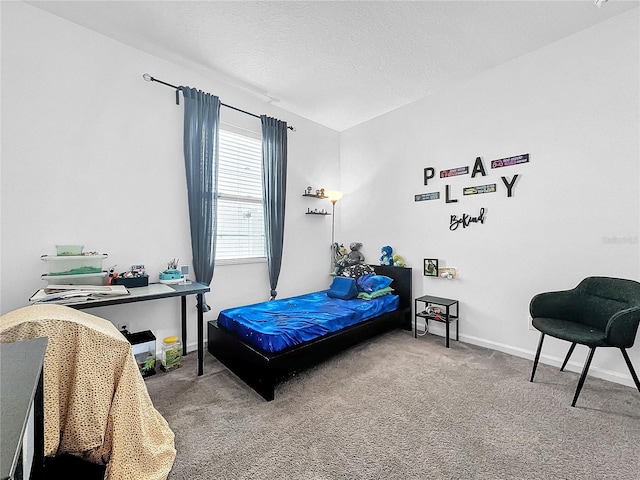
column 599, row 312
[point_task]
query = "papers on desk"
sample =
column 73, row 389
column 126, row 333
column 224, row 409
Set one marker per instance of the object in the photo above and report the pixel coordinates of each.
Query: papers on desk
column 62, row 294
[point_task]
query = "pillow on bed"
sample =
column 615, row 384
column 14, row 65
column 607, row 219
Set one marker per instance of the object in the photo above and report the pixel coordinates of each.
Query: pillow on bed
column 343, row 288
column 376, row 294
column 356, row 271
column 372, row 282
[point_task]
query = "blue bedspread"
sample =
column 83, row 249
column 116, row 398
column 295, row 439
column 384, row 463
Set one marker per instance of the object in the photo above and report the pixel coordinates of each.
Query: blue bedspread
column 279, row 324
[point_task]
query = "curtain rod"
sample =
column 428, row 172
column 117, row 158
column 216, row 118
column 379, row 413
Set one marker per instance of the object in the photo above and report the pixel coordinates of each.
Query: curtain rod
column 149, row 78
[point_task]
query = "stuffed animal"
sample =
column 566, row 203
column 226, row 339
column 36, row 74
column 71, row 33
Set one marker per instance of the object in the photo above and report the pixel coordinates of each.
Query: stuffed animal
column 387, row 257
column 398, row 261
column 340, row 259
column 354, row 257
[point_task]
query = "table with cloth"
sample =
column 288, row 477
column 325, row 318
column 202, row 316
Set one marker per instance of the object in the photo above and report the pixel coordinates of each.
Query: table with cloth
column 96, row 405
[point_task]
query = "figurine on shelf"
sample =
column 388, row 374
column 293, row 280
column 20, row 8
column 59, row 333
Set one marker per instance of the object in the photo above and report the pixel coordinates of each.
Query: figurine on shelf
column 308, row 191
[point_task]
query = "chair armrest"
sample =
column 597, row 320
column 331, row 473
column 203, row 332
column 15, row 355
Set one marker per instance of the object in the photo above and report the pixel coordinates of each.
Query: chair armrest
column 562, row 304
column 622, row 328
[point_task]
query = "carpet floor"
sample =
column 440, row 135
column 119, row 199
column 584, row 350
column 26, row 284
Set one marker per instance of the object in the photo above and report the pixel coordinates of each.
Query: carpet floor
column 396, row 407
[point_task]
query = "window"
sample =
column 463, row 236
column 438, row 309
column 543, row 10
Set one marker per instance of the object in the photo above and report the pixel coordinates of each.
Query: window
column 240, row 213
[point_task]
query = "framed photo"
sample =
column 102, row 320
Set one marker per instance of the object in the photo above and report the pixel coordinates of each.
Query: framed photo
column 431, row 267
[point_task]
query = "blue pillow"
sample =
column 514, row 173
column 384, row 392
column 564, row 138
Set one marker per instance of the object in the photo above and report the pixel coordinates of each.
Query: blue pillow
column 343, row 288
column 371, row 283
column 361, row 280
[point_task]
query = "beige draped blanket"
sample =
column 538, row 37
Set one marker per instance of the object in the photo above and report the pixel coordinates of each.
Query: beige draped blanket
column 96, row 403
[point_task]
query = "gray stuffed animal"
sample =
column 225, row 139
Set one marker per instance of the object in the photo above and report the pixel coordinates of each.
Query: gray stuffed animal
column 354, row 257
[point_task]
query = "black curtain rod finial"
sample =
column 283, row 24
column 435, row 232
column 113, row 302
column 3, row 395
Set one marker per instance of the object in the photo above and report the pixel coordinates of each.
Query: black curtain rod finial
column 149, row 78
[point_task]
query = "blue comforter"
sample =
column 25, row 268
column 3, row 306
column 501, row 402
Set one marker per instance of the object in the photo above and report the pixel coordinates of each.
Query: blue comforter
column 276, row 325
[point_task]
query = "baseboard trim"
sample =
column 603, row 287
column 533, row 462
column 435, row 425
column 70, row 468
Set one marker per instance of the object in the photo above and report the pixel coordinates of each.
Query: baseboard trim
column 610, row 375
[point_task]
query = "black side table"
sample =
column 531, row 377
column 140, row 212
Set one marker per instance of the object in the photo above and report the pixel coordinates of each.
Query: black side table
column 449, row 311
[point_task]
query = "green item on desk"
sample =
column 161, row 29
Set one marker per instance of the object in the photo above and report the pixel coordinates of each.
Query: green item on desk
column 171, row 274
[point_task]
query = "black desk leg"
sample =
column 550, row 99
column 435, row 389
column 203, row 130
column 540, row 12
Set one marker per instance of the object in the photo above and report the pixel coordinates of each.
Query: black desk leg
column 184, row 324
column 200, row 333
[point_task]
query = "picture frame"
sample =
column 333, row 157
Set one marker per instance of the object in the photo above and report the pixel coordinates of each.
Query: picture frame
column 430, row 267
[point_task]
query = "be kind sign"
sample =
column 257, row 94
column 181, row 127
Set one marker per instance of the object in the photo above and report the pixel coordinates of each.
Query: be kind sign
column 465, row 219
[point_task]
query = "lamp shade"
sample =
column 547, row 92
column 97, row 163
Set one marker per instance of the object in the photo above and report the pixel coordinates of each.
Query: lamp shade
column 334, row 195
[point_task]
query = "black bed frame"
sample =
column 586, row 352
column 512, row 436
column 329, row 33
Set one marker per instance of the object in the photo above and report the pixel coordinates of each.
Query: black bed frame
column 262, row 371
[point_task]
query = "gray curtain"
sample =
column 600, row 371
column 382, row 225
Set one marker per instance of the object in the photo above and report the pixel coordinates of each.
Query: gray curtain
column 274, row 190
column 201, row 125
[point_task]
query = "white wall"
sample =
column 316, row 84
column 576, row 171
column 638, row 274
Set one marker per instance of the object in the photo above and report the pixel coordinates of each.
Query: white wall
column 574, row 107
column 92, row 155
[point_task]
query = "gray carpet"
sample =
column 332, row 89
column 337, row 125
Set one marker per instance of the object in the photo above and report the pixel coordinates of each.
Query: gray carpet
column 397, row 407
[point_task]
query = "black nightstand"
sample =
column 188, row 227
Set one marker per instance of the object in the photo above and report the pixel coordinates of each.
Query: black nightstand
column 449, row 310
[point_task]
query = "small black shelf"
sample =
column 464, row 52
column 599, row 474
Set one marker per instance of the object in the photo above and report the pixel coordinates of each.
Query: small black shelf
column 450, row 312
column 317, row 213
column 313, row 195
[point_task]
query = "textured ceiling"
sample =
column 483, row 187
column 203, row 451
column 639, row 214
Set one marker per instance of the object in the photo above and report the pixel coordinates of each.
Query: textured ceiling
column 337, row 63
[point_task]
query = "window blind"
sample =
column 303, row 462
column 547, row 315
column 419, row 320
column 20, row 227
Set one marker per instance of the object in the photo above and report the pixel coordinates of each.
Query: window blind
column 240, row 211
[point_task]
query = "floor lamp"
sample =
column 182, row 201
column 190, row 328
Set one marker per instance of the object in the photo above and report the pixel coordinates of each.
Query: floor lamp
column 334, row 196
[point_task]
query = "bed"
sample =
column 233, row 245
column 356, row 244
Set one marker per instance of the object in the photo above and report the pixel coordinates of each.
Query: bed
column 263, row 365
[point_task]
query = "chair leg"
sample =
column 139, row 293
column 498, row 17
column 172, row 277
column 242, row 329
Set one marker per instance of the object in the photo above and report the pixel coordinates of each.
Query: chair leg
column 633, row 372
column 535, row 361
column 566, row 359
column 585, row 369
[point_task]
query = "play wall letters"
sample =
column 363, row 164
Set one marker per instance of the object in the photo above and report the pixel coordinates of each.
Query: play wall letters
column 478, row 169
